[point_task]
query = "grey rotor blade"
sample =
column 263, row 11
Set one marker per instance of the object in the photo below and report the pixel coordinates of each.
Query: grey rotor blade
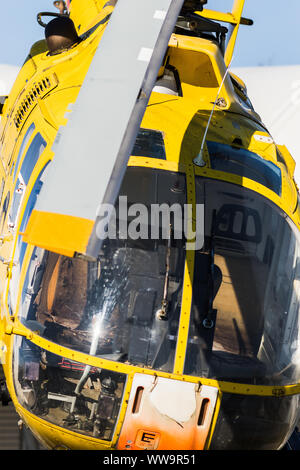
column 92, row 150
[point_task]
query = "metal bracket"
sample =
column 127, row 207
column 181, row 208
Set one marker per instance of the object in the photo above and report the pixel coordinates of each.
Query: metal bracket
column 19, row 331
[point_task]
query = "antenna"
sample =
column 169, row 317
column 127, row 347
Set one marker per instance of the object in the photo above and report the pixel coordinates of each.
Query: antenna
column 199, row 161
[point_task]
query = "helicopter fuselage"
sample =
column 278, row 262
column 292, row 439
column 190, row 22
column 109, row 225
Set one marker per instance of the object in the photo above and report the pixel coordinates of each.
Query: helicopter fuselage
column 219, row 368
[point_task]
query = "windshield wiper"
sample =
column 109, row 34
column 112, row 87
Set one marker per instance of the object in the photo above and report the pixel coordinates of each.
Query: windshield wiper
column 162, row 313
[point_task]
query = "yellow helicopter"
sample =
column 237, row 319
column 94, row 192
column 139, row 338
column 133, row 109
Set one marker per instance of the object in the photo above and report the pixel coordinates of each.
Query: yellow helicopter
column 166, row 342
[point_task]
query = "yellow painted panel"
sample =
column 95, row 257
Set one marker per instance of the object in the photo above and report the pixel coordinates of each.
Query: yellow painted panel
column 85, row 13
column 218, row 16
column 198, row 69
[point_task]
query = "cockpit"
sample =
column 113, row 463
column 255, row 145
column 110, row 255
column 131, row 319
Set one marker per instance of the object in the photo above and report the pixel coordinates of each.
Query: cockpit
column 126, row 306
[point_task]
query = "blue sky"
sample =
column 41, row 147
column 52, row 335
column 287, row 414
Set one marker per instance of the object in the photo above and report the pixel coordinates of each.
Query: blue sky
column 273, row 40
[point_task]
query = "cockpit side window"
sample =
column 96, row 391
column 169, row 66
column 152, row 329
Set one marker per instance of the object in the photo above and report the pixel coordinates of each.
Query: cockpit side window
column 28, row 210
column 22, row 148
column 36, row 148
column 21, row 246
column 244, row 163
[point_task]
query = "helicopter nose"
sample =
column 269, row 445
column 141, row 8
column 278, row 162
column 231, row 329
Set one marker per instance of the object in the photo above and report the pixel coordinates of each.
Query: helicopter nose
column 167, row 414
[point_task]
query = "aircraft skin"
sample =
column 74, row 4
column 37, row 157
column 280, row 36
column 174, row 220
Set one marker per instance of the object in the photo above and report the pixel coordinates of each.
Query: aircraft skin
column 222, row 374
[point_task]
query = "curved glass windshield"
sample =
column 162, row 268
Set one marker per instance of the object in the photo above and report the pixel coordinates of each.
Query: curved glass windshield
column 245, row 311
column 125, row 306
column 244, row 323
column 254, row 422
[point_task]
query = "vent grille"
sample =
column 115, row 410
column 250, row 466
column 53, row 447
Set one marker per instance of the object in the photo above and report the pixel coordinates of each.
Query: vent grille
column 39, row 90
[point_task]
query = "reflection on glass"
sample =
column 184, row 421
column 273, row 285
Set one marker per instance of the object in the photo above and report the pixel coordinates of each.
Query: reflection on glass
column 80, row 398
column 36, row 148
column 245, row 311
column 23, row 145
column 254, row 423
column 109, row 307
column 149, row 143
column 242, row 162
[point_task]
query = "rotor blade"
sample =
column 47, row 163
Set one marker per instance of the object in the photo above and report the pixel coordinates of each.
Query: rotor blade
column 92, row 150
